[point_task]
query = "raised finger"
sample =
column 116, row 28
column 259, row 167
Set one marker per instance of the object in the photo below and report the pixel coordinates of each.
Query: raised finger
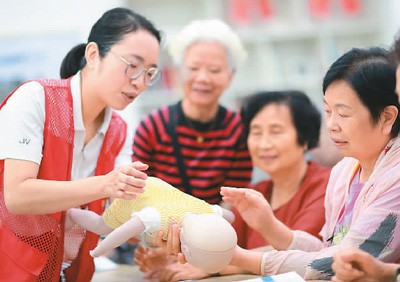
column 131, row 183
column 174, row 240
column 139, row 252
column 160, row 241
column 229, row 191
column 139, row 165
column 130, row 170
column 128, row 196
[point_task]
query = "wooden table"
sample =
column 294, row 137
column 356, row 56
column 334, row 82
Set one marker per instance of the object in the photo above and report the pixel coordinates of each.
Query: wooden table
column 125, row 273
column 129, row 273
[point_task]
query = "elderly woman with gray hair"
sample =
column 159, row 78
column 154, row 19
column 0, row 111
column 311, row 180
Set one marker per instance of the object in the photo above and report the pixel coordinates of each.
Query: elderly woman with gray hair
column 195, row 144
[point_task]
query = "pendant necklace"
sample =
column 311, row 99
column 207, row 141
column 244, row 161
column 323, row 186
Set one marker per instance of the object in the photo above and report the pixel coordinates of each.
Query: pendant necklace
column 199, row 137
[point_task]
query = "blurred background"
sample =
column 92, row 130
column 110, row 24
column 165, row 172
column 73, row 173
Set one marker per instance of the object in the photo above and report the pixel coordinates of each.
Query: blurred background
column 290, row 43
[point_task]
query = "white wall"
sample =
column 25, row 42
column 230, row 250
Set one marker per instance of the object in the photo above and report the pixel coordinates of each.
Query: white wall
column 47, row 30
column 27, row 17
column 36, row 35
column 391, row 16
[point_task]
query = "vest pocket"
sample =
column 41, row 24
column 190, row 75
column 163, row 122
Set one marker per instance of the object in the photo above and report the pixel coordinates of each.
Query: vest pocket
column 19, row 261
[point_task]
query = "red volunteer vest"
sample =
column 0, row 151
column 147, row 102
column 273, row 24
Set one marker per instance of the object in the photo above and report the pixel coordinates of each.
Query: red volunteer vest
column 32, row 246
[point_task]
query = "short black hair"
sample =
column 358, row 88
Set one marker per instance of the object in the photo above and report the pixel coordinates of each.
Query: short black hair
column 372, row 75
column 306, row 117
column 109, row 29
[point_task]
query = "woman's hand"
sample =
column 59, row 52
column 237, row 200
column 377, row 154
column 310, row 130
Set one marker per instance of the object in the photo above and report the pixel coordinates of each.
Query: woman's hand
column 173, row 243
column 160, row 264
column 150, row 260
column 178, row 272
column 125, row 181
column 251, row 205
column 358, row 266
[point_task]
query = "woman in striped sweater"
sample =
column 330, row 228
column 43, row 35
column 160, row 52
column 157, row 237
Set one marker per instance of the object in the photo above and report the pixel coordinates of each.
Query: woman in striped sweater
column 195, row 144
column 205, row 134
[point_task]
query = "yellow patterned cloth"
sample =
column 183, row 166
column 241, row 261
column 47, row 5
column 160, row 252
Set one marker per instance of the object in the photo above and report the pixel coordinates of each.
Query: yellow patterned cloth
column 170, row 202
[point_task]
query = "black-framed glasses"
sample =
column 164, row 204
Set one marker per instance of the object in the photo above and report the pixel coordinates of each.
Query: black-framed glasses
column 136, row 68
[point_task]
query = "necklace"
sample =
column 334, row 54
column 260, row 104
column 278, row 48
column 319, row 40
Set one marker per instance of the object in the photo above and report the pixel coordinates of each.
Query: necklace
column 200, row 127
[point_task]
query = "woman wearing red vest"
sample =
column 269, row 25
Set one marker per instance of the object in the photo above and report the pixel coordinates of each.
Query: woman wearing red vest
column 62, row 146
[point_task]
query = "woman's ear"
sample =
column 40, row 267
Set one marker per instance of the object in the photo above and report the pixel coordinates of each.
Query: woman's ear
column 91, row 54
column 305, row 147
column 389, row 117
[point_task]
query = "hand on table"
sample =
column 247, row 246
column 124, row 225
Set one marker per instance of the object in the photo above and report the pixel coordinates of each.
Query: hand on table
column 177, row 271
column 358, row 266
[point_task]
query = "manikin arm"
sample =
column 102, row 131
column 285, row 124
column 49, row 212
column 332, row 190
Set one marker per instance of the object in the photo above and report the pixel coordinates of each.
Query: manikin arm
column 88, row 220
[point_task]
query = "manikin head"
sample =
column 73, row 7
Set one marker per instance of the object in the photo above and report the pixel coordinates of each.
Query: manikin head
column 208, row 241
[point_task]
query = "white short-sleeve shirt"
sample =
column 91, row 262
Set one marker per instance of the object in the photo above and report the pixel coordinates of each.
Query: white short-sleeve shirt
column 22, row 123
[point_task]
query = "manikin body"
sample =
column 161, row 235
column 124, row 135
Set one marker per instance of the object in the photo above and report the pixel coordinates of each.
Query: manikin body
column 206, row 227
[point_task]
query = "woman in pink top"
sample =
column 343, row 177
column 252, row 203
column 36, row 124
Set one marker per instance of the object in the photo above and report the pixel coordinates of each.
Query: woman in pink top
column 354, row 264
column 362, row 206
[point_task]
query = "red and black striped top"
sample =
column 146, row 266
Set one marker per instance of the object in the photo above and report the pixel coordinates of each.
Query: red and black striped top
column 220, row 159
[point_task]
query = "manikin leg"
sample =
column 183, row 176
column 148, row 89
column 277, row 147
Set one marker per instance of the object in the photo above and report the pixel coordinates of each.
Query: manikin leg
column 132, row 228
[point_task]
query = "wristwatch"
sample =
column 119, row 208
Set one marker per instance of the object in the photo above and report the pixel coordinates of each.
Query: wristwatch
column 397, row 275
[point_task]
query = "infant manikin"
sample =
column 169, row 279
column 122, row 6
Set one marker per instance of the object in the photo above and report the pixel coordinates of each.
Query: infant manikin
column 208, row 241
column 207, row 238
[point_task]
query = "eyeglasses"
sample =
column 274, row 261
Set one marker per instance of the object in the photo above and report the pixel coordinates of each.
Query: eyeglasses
column 135, row 69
